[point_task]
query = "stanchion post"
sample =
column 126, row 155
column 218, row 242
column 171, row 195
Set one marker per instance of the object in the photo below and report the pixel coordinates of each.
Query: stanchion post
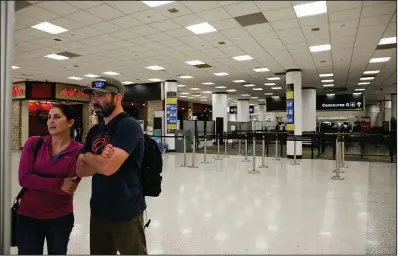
column 239, row 146
column 246, row 159
column 254, row 171
column 294, row 152
column 276, row 148
column 342, row 151
column 225, row 147
column 218, row 157
column 338, row 156
column 205, row 152
column 185, row 152
column 193, row 154
column 263, row 165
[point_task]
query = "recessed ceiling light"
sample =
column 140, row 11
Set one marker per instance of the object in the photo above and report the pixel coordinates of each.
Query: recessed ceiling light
column 320, row 48
column 201, row 28
column 327, row 81
column 181, row 85
column 249, row 85
column 276, row 88
column 155, row 79
column 15, row 67
column 243, row 58
column 127, row 82
column 75, row 78
column 91, row 75
column 221, row 74
column 326, row 75
column 111, row 73
column 257, row 89
column 378, row 60
column 273, row 78
column 245, row 95
column 184, row 93
column 261, row 69
column 254, row 98
column 195, row 89
column 328, row 85
column 388, row 40
column 56, row 57
column 50, row 28
column 207, row 92
column 363, row 83
column 182, row 96
column 156, row 3
column 268, row 93
column 369, row 72
column 195, row 62
column 357, row 93
column 231, row 90
column 261, row 99
column 185, row 77
column 203, row 100
column 367, row 78
column 270, row 84
column 310, row 9
column 208, row 83
column 360, row 89
column 330, row 94
column 239, row 81
column 189, row 97
column 221, row 87
column 276, row 97
column 155, row 67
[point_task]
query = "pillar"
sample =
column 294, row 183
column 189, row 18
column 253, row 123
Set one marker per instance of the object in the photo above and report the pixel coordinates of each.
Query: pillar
column 243, row 110
column 294, row 110
column 372, row 111
column 220, row 107
column 149, row 111
column 309, row 108
column 387, row 108
column 7, row 36
column 262, row 114
column 394, row 105
column 171, row 108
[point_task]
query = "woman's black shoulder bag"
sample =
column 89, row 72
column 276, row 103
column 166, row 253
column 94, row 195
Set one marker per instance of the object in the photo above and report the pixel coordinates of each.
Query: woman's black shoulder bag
column 14, row 209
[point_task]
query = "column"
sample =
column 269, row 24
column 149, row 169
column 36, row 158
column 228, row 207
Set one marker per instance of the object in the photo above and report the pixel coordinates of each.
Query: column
column 262, row 114
column 294, row 110
column 220, row 107
column 394, row 105
column 381, row 113
column 309, row 108
column 372, row 111
column 171, row 108
column 387, row 108
column 243, row 110
column 7, row 36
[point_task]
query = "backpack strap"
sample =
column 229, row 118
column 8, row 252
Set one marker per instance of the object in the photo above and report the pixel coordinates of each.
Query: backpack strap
column 36, row 149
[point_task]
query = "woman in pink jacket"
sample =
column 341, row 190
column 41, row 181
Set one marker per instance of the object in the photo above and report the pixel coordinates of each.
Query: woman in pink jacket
column 46, row 208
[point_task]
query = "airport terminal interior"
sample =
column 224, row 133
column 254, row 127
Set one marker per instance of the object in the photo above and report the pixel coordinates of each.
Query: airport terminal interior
column 276, row 119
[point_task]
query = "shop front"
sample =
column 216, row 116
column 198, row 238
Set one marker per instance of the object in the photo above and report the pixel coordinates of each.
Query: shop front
column 33, row 100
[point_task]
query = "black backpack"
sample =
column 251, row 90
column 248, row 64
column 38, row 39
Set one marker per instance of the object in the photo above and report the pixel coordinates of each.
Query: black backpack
column 151, row 167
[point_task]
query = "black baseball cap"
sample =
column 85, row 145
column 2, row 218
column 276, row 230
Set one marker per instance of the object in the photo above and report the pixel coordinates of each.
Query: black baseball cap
column 105, row 84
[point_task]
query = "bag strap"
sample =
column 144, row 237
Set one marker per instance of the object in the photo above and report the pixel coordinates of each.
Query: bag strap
column 36, row 149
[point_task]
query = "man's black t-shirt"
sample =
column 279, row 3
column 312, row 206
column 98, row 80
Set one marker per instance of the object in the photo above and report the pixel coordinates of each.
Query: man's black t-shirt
column 118, row 197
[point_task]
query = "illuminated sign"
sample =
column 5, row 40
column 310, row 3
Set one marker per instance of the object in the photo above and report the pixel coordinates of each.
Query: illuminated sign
column 290, row 107
column 70, row 92
column 171, row 112
column 18, row 91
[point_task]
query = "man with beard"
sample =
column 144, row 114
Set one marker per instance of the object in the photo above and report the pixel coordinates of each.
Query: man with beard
column 113, row 154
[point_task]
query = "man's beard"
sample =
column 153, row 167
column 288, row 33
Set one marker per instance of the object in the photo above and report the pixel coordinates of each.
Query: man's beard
column 106, row 110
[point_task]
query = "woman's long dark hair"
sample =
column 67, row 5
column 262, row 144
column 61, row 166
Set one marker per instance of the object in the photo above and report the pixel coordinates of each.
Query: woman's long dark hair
column 69, row 114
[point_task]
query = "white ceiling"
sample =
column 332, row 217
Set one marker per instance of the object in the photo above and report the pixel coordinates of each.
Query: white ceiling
column 127, row 36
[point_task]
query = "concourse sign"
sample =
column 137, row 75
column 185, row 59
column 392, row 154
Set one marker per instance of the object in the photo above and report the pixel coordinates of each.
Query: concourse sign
column 340, row 102
column 171, row 112
column 290, row 107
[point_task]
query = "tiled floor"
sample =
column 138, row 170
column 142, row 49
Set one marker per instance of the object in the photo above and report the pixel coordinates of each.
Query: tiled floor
column 285, row 209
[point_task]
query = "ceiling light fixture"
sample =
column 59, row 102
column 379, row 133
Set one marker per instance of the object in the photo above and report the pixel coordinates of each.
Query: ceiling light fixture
column 367, row 78
column 182, row 96
column 75, row 78
column 243, row 58
column 195, row 62
column 273, row 78
column 203, row 100
column 195, row 89
column 328, row 85
column 254, row 98
column 276, row 88
column 261, row 69
column 91, row 75
column 310, row 9
column 327, row 81
column 154, row 79
column 268, row 93
column 326, row 75
column 270, row 84
column 201, row 28
column 56, row 57
column 207, row 92
column 370, row 72
column 15, row 67
column 245, row 95
column 185, row 77
column 184, row 93
column 388, row 40
column 181, row 85
column 320, row 48
column 231, row 90
column 257, row 89
column 111, row 73
column 156, row 3
column 221, row 87
column 357, row 93
column 249, row 85
column 49, row 28
column 208, row 83
column 363, row 83
column 360, row 89
column 155, row 67
column 239, row 81
column 378, row 60
column 330, row 94
column 221, row 74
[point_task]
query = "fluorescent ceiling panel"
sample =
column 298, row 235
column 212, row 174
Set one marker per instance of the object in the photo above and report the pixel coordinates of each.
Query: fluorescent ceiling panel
column 239, row 81
column 310, row 9
column 127, row 82
column 249, row 85
column 15, row 67
column 201, row 28
column 360, row 89
column 378, row 60
column 268, row 93
column 320, row 48
column 207, row 92
column 327, row 81
column 261, row 69
column 330, row 94
column 195, row 89
column 326, row 75
column 111, row 73
column 184, row 93
column 370, row 72
column 243, row 58
column 257, row 89
column 388, row 40
column 367, row 78
column 155, row 79
column 221, row 74
column 276, row 88
column 49, row 28
column 364, row 83
column 208, row 83
column 75, row 78
column 270, row 84
column 155, row 67
column 185, row 77
column 181, row 85
column 357, row 93
column 91, row 75
column 231, row 90
column 195, row 62
column 56, row 57
column 221, row 87
column 156, row 3
column 328, row 85
column 273, row 78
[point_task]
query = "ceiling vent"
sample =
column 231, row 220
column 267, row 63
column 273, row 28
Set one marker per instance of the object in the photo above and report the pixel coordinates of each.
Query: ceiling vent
column 203, row 66
column 69, row 54
column 174, row 10
column 251, row 19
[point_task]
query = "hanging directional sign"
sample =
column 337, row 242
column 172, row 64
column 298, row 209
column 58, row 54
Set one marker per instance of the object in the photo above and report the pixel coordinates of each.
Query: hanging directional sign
column 340, row 102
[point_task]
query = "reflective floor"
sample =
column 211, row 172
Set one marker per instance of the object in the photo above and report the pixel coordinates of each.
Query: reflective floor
column 285, row 209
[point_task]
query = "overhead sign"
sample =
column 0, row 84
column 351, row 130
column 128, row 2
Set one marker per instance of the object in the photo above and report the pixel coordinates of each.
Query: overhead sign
column 171, row 112
column 18, row 91
column 340, row 102
column 70, row 92
column 234, row 109
column 290, row 107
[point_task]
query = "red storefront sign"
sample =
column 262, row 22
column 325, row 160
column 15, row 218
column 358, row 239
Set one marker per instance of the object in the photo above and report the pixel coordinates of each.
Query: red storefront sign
column 73, row 93
column 18, row 91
